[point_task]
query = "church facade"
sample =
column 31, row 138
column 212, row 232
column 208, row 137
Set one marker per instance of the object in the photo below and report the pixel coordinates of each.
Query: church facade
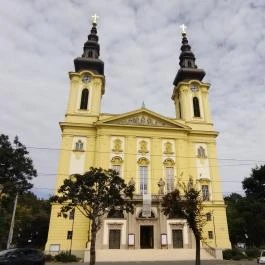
column 152, row 151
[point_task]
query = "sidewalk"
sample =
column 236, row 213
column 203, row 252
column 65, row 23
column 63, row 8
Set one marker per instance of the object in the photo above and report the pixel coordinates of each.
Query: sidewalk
column 186, row 262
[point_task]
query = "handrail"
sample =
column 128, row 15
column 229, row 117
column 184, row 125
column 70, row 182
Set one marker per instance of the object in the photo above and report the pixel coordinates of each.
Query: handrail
column 209, row 249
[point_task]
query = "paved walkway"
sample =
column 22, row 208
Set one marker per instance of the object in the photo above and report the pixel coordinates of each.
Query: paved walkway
column 192, row 262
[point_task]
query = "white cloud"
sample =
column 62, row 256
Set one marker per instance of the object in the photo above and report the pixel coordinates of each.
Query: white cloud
column 140, row 42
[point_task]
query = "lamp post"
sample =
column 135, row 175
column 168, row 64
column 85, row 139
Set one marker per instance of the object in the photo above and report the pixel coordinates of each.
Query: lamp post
column 11, row 230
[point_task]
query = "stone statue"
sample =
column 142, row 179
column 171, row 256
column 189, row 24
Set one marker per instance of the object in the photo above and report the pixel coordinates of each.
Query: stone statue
column 131, row 182
column 161, row 184
column 190, row 183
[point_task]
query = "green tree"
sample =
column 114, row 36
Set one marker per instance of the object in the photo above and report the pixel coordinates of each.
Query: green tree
column 31, row 222
column 94, row 194
column 190, row 207
column 254, row 186
column 16, row 167
column 16, row 171
column 246, row 214
column 236, row 222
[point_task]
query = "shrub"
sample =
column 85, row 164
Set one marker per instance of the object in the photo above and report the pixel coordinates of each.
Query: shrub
column 252, row 252
column 234, row 254
column 227, row 254
column 66, row 257
column 49, row 258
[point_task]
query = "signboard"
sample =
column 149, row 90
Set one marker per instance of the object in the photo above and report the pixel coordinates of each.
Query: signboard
column 54, row 248
column 163, row 239
column 131, row 240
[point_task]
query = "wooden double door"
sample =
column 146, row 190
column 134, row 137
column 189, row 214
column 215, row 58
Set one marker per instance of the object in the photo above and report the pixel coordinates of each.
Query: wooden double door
column 114, row 238
column 177, row 237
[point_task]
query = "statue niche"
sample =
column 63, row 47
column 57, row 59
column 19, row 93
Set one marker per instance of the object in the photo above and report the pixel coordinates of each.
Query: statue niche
column 143, row 147
column 168, row 148
column 117, row 146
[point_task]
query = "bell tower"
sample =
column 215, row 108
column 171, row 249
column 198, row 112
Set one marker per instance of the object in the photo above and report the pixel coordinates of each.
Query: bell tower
column 88, row 80
column 190, row 94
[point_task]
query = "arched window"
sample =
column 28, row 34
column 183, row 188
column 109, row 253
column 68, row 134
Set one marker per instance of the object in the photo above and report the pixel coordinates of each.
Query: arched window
column 115, row 214
column 201, row 152
column 90, row 54
column 79, row 145
column 196, row 107
column 84, row 99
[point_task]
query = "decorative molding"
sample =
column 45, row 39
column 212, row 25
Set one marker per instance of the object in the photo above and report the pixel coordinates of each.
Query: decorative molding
column 169, row 162
column 143, row 120
column 143, row 147
column 143, row 161
column 116, row 160
column 117, row 146
column 168, row 148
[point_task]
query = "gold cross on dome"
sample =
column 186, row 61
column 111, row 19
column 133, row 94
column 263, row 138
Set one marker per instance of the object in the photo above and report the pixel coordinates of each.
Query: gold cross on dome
column 94, row 19
column 183, row 28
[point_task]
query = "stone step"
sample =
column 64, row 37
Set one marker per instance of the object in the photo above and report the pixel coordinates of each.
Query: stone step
column 104, row 255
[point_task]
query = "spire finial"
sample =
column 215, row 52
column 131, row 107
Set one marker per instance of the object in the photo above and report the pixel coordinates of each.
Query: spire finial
column 183, row 29
column 94, row 19
column 143, row 105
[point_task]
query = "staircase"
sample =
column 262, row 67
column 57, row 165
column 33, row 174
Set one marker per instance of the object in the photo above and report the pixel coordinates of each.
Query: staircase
column 105, row 255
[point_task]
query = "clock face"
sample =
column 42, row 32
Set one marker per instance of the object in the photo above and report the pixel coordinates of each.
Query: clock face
column 86, row 79
column 194, row 88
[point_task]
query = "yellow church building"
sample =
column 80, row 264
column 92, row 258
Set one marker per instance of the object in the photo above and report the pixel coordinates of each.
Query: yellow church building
column 150, row 150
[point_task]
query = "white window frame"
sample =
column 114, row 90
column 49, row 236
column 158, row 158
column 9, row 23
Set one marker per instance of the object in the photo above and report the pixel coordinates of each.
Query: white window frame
column 169, row 172
column 205, row 192
column 143, row 173
column 117, row 168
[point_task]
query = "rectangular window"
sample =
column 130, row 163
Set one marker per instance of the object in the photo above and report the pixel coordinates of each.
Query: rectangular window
column 69, row 234
column 208, row 217
column 143, row 179
column 210, row 234
column 170, row 179
column 205, row 193
column 117, row 168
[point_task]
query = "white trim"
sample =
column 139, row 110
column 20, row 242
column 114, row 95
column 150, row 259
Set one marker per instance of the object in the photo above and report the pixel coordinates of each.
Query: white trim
column 106, row 229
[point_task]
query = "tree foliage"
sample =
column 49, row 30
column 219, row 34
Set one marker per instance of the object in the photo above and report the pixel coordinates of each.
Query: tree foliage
column 190, row 207
column 94, row 194
column 254, row 186
column 31, row 222
column 16, row 167
column 246, row 214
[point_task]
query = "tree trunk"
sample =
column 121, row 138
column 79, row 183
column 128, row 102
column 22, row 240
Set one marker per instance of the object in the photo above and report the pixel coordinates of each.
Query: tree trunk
column 93, row 243
column 198, row 250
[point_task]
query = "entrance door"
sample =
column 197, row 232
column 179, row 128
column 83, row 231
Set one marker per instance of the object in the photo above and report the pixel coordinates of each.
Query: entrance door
column 114, row 238
column 177, row 236
column 146, row 236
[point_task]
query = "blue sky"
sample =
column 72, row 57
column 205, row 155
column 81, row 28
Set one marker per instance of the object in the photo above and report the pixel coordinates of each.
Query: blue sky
column 140, row 45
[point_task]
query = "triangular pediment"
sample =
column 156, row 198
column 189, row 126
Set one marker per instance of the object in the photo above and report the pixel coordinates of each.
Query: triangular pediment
column 143, row 117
